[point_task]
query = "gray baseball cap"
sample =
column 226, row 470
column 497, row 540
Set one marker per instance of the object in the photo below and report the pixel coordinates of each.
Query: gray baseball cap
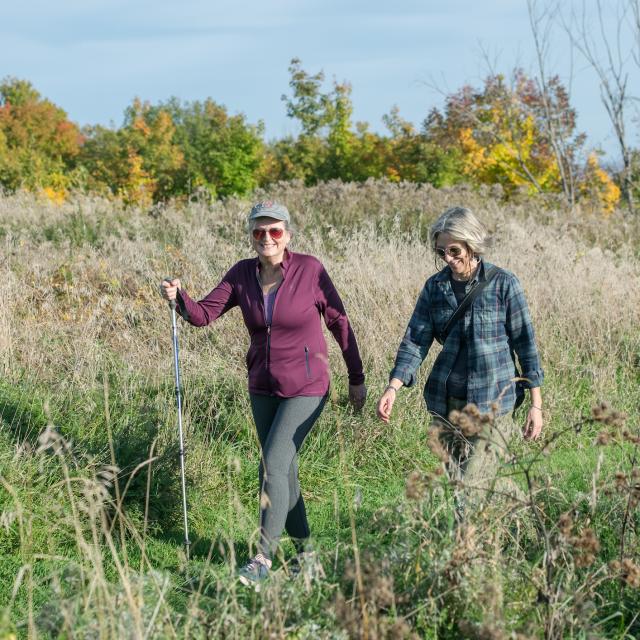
column 269, row 209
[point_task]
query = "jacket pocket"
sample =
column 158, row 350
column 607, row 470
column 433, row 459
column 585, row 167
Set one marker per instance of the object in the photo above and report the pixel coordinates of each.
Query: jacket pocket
column 306, row 362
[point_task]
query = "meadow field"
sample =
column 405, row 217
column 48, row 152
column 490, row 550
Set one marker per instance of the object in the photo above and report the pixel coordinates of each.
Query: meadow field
column 90, row 506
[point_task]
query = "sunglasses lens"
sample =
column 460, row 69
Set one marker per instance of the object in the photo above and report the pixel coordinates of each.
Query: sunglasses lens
column 454, row 252
column 275, row 233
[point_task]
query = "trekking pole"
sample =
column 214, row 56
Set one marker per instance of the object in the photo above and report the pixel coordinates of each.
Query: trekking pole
column 176, row 364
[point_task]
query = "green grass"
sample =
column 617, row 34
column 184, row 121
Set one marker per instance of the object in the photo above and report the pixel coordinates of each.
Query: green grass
column 361, row 484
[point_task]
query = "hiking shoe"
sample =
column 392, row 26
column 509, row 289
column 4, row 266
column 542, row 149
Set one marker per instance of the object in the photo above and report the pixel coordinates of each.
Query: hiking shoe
column 255, row 571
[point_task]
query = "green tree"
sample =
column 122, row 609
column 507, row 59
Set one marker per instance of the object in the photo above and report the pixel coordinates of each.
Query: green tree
column 172, row 148
column 301, row 158
column 222, row 153
column 308, row 105
column 341, row 139
column 413, row 157
column 326, row 146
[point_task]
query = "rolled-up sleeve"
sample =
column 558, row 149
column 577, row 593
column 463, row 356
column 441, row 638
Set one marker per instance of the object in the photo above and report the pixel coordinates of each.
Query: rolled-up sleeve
column 416, row 342
column 521, row 335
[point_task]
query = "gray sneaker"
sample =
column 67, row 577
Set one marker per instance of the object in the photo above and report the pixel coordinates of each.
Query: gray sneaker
column 255, row 571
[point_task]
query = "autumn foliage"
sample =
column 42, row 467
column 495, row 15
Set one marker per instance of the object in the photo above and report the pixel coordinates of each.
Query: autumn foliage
column 38, row 144
column 507, row 133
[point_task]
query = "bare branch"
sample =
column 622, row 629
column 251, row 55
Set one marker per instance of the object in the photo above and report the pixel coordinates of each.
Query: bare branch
column 634, row 6
column 612, row 74
column 541, row 20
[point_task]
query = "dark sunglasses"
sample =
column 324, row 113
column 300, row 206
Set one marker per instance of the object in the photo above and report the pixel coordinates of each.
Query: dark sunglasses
column 276, row 233
column 454, row 252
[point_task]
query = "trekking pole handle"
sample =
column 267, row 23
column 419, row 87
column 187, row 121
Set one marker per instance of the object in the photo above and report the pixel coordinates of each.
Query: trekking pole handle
column 172, row 303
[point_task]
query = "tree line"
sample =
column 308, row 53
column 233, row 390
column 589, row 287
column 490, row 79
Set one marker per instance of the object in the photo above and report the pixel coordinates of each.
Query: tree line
column 512, row 131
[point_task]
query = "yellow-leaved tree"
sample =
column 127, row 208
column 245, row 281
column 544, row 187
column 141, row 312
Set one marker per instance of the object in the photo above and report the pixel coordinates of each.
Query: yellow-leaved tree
column 597, row 187
column 501, row 135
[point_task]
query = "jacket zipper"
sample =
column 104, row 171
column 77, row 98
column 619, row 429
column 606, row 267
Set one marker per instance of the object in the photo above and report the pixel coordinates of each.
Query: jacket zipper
column 264, row 317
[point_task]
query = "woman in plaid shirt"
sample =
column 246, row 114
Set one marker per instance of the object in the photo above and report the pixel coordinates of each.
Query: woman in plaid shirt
column 477, row 363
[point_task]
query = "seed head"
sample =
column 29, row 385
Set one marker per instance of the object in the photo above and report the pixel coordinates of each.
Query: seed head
column 628, row 570
column 630, row 573
column 434, row 443
column 565, row 525
column 586, row 546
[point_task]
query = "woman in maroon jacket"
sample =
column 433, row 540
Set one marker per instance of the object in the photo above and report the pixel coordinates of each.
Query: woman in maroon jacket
column 281, row 295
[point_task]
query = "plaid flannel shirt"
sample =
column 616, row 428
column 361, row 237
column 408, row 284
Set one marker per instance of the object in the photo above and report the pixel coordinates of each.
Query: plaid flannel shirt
column 497, row 326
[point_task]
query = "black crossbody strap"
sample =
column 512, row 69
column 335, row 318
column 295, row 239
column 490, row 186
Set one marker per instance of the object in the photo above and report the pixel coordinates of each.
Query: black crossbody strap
column 467, row 301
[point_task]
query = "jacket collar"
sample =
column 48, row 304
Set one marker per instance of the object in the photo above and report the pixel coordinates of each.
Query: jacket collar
column 286, row 262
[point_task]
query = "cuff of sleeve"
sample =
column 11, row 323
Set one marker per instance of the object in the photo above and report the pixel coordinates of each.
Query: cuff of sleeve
column 532, row 379
column 408, row 379
column 181, row 306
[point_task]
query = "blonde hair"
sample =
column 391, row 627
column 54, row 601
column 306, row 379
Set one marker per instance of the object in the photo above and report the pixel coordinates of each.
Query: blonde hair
column 462, row 225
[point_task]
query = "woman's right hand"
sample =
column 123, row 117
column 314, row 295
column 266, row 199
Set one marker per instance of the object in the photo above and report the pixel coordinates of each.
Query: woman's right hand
column 385, row 404
column 169, row 288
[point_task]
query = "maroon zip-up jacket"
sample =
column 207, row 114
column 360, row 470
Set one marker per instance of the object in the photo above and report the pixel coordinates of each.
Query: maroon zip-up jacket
column 289, row 357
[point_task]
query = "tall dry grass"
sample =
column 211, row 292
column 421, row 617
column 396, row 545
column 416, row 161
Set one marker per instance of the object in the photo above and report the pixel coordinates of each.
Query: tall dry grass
column 84, row 277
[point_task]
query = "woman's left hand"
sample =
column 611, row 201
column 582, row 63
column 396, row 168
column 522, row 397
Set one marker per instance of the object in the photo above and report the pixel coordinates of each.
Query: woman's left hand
column 357, row 395
column 533, row 426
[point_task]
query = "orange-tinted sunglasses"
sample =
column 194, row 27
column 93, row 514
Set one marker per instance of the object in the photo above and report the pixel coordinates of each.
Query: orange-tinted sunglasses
column 275, row 232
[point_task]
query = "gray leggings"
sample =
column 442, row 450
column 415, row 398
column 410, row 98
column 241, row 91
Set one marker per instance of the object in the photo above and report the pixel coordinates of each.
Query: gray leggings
column 282, row 425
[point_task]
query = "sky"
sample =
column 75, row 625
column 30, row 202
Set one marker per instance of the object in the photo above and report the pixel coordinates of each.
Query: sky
column 92, row 57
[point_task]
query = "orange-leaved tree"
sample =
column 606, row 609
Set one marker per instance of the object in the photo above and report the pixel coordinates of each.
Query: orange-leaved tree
column 38, row 143
column 140, row 161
